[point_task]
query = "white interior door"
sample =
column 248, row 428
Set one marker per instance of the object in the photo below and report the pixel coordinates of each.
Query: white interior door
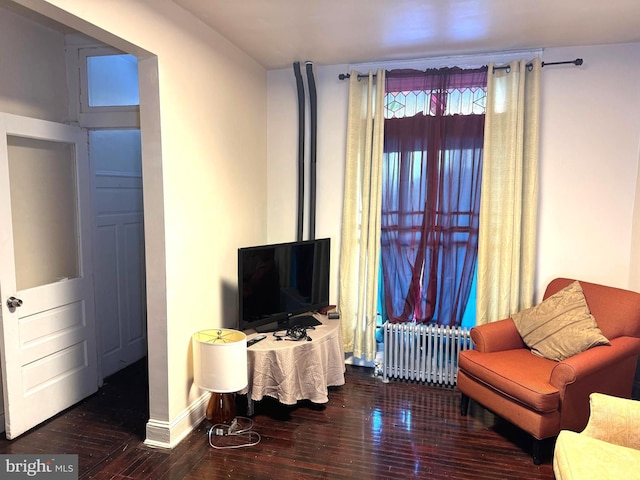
column 119, row 266
column 48, row 345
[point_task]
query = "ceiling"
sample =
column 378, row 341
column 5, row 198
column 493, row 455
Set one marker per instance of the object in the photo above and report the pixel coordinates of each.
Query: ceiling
column 330, row 32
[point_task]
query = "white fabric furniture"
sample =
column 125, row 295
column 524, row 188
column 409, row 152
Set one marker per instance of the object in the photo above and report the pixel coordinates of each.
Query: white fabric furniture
column 608, row 448
column 290, row 371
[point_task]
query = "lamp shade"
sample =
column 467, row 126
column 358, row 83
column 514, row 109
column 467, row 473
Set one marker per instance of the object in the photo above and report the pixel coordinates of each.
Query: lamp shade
column 220, row 360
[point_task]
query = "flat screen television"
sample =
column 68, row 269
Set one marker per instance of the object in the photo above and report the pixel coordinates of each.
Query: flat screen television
column 279, row 283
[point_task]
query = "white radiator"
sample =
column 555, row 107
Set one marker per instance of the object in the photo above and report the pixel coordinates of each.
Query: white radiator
column 424, row 353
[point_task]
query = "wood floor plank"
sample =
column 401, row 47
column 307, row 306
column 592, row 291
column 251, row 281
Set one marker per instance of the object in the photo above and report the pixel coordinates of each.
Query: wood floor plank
column 368, row 430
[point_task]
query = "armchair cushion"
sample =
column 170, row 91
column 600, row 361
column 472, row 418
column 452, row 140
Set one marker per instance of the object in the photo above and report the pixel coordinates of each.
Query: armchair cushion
column 561, row 326
column 517, row 374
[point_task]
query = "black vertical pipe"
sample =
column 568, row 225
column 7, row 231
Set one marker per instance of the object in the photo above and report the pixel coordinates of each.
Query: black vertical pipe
column 301, row 134
column 313, row 110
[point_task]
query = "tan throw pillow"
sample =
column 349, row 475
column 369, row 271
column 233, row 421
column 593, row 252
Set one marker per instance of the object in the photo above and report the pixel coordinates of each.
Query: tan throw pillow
column 561, row 326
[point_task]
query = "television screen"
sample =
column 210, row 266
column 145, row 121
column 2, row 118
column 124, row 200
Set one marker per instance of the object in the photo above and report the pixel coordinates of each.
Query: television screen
column 278, row 282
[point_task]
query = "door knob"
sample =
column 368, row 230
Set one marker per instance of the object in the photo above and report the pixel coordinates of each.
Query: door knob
column 13, row 302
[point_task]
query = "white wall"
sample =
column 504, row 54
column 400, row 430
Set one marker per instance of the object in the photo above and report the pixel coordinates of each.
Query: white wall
column 36, row 88
column 589, row 161
column 282, row 154
column 589, row 165
column 203, row 116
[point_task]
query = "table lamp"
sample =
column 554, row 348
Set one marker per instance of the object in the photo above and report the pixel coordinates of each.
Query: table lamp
column 220, row 366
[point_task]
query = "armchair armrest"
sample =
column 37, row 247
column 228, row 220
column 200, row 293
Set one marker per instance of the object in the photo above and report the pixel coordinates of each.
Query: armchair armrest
column 606, row 369
column 601, row 358
column 614, row 420
column 497, row 336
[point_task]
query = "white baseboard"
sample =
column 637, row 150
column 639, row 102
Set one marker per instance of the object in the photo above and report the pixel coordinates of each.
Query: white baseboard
column 162, row 434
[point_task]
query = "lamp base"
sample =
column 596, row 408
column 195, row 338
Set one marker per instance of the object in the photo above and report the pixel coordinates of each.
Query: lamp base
column 221, row 408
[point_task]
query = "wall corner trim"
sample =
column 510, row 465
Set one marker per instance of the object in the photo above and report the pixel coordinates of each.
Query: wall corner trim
column 163, row 434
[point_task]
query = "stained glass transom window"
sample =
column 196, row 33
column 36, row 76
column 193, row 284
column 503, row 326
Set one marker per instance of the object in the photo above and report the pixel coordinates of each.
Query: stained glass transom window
column 466, row 101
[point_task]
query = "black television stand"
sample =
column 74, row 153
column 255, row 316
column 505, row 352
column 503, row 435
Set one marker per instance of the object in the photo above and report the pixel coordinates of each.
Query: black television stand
column 304, row 320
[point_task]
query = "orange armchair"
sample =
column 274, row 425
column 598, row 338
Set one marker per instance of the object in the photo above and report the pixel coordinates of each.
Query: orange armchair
column 543, row 396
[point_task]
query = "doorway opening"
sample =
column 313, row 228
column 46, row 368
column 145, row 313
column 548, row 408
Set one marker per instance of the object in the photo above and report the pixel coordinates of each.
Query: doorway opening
column 115, row 180
column 105, row 99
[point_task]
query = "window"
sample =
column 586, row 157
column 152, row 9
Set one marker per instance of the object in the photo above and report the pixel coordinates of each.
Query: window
column 457, row 101
column 104, row 82
column 112, row 80
column 434, row 132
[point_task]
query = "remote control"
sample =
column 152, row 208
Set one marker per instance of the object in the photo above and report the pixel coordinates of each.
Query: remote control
column 255, row 340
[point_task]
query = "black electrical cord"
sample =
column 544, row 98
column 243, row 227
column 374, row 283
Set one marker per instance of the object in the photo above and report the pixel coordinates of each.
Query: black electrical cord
column 295, row 333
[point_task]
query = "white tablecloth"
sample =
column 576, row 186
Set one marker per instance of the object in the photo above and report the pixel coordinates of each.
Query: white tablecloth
column 290, row 371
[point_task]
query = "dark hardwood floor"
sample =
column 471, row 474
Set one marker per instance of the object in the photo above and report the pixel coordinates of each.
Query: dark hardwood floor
column 367, row 430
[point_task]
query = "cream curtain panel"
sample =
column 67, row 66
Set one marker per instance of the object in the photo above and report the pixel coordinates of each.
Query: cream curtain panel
column 360, row 247
column 508, row 205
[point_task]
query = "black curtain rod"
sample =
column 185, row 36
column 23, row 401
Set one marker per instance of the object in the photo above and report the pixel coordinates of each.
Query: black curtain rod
column 577, row 61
